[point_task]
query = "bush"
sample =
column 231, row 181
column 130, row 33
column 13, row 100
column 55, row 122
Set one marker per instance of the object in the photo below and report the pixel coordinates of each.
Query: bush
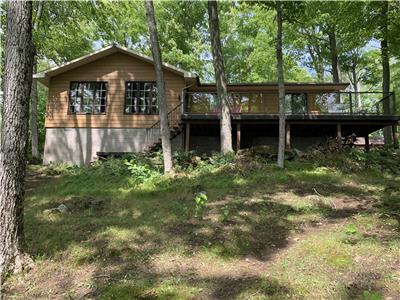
column 354, row 160
column 184, row 160
column 140, row 170
column 110, row 167
column 55, row 169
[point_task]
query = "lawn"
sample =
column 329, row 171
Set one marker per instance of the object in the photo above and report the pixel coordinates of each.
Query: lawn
column 306, row 232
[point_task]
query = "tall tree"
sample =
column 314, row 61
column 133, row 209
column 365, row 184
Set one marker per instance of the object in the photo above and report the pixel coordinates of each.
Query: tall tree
column 222, row 90
column 162, row 103
column 387, row 132
column 34, row 92
column 281, row 86
column 333, row 53
column 14, row 135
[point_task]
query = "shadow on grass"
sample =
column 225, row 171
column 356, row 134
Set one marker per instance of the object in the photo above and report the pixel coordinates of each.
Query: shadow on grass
column 131, row 226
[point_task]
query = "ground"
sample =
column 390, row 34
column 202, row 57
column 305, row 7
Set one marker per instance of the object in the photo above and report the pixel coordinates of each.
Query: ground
column 306, row 232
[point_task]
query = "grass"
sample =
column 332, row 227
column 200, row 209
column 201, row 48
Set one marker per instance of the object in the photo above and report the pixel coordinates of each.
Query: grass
column 308, row 231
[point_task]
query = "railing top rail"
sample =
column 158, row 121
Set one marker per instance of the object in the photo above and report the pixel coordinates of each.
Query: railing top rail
column 168, row 114
column 274, row 92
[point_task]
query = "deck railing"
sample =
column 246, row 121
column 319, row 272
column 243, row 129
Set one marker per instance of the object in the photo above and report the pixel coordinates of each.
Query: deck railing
column 335, row 103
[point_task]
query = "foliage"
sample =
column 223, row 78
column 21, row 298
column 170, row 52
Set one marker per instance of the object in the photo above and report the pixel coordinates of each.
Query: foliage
column 68, row 30
column 200, row 202
column 354, row 160
column 140, row 171
column 54, row 169
column 225, row 213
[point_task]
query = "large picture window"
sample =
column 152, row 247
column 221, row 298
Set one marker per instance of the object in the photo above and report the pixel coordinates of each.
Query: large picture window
column 88, row 97
column 141, row 97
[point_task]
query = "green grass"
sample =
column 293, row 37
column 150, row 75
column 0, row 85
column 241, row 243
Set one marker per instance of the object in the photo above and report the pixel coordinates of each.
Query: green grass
column 307, row 231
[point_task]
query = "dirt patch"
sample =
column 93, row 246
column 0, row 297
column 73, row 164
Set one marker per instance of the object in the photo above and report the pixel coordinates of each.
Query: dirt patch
column 51, row 281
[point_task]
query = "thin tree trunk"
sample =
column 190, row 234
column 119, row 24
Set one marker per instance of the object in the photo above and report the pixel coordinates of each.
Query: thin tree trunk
column 33, row 116
column 387, row 131
column 14, row 137
column 34, row 97
column 316, row 63
column 281, row 87
column 222, row 90
column 334, row 55
column 355, row 83
column 162, row 104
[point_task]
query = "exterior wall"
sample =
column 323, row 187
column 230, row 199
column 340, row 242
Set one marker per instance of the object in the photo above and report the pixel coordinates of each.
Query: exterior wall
column 115, row 69
column 79, row 145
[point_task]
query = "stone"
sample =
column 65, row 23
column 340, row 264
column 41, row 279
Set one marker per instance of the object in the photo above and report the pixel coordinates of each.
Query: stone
column 62, row 208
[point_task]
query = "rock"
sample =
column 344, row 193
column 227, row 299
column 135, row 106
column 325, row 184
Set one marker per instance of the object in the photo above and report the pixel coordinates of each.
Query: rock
column 62, row 208
column 299, row 153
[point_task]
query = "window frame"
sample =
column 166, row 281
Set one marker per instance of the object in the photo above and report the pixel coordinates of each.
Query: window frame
column 149, row 102
column 94, row 96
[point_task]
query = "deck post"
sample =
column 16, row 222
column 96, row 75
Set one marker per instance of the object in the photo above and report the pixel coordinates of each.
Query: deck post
column 238, row 133
column 339, row 135
column 366, row 142
column 187, row 137
column 288, row 136
column 395, row 137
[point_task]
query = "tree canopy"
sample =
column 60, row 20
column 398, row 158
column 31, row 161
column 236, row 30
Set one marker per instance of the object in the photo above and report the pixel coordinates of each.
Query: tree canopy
column 320, row 38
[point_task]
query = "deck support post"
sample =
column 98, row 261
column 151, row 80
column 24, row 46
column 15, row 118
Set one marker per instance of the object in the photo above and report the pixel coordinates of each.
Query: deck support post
column 187, row 137
column 395, row 137
column 238, row 133
column 287, row 136
column 366, row 142
column 339, row 135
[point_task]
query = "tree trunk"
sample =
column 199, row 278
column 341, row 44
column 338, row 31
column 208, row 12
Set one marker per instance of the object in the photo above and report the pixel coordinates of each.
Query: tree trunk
column 34, row 97
column 162, row 104
column 355, row 83
column 14, row 137
column 33, row 116
column 387, row 131
column 334, row 55
column 281, row 87
column 316, row 62
column 222, row 90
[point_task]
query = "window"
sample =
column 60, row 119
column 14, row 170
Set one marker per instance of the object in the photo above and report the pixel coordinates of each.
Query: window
column 141, row 98
column 88, row 97
column 296, row 103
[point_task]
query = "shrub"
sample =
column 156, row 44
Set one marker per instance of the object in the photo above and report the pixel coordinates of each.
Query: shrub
column 140, row 170
column 354, row 160
column 54, row 169
column 184, row 160
column 200, row 202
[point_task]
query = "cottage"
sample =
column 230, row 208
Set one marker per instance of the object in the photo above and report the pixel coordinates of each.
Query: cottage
column 107, row 102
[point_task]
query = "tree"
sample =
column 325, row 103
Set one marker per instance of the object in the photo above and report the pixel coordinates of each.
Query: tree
column 162, row 104
column 222, row 90
column 34, row 95
column 281, row 86
column 14, row 137
column 387, row 132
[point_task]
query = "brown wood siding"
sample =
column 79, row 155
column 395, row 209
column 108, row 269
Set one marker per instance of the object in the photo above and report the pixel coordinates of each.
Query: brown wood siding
column 115, row 69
